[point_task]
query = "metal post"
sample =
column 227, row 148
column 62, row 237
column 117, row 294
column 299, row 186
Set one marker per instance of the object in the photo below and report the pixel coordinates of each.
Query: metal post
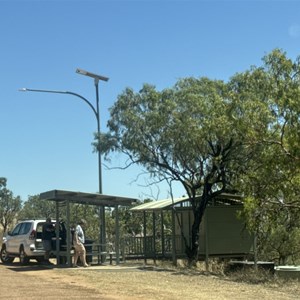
column 162, row 234
column 57, row 243
column 255, row 251
column 145, row 237
column 98, row 133
column 101, row 208
column 117, row 241
column 174, row 259
column 68, row 228
column 154, row 235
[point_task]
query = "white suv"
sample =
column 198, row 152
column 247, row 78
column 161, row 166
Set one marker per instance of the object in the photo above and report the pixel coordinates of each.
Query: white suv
column 24, row 241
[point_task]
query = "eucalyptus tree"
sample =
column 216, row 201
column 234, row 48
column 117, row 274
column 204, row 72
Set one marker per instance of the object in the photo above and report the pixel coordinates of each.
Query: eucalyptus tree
column 193, row 133
column 34, row 208
column 273, row 185
column 9, row 205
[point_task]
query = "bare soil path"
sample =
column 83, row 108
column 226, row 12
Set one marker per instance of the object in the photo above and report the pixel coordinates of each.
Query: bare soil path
column 130, row 282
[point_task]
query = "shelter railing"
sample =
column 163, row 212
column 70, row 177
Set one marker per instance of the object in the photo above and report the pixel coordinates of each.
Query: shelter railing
column 150, row 246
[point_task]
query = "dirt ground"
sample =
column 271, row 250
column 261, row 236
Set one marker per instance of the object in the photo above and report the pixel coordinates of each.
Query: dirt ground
column 131, row 281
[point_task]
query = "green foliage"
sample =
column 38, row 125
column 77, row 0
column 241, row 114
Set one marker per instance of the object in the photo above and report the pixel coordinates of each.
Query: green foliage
column 273, row 183
column 88, row 213
column 277, row 228
column 34, row 208
column 9, row 205
column 180, row 134
column 283, row 244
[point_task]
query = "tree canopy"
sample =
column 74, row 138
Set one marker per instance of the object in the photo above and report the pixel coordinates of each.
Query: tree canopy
column 9, row 205
column 272, row 187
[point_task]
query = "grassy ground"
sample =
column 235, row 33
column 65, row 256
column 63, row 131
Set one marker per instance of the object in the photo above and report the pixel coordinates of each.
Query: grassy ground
column 135, row 280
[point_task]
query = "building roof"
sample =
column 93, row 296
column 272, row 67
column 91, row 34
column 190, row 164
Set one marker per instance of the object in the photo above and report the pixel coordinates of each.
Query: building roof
column 223, row 198
column 87, row 198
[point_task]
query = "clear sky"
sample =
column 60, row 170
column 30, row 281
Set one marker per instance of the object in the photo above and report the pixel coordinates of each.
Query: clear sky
column 45, row 140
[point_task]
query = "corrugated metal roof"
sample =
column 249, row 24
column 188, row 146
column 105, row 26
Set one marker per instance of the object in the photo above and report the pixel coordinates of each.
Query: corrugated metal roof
column 161, row 204
column 87, row 198
column 166, row 203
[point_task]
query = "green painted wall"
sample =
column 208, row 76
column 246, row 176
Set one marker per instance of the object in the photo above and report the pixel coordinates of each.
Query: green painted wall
column 221, row 231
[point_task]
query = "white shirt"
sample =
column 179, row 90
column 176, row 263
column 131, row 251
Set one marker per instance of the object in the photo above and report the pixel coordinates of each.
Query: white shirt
column 80, row 234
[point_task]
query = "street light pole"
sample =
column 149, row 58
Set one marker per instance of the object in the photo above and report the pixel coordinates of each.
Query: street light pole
column 98, row 136
column 96, row 112
column 101, row 208
column 96, row 81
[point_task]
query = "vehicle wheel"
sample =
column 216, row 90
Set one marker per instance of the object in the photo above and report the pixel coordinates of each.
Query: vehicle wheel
column 5, row 258
column 23, row 257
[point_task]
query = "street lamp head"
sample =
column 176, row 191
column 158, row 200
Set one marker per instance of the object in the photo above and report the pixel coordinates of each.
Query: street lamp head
column 23, row 90
column 86, row 73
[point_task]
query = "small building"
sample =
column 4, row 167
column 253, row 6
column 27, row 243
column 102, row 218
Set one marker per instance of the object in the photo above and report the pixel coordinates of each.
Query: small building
column 222, row 232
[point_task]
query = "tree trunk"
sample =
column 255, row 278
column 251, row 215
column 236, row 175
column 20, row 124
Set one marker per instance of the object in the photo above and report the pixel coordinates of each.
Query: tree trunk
column 198, row 210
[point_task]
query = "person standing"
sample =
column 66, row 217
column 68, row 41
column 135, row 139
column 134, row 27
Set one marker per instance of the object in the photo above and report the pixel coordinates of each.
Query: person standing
column 78, row 243
column 47, row 234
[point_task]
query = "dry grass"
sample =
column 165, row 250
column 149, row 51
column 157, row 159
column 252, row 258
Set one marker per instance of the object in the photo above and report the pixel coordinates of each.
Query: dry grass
column 134, row 280
column 163, row 281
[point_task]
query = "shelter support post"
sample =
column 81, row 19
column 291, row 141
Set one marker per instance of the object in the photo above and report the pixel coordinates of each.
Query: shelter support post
column 102, row 232
column 154, row 235
column 162, row 234
column 255, row 250
column 57, row 242
column 68, row 235
column 117, row 235
column 173, row 238
column 145, row 237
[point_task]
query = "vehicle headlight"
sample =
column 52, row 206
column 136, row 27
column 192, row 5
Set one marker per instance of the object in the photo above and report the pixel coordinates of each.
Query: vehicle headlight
column 32, row 247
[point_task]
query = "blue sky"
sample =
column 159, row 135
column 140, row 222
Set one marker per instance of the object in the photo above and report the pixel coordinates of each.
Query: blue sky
column 46, row 138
